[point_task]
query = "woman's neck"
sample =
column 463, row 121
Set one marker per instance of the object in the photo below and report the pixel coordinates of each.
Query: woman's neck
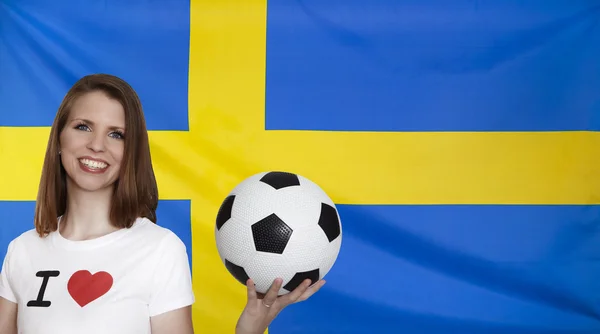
column 87, row 215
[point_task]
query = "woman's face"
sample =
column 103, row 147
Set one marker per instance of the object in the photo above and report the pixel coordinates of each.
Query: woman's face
column 92, row 142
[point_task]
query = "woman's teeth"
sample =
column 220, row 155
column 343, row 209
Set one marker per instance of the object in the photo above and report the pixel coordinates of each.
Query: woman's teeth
column 93, row 164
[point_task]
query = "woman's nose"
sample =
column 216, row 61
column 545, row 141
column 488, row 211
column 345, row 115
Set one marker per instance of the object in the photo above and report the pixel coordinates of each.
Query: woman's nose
column 97, row 142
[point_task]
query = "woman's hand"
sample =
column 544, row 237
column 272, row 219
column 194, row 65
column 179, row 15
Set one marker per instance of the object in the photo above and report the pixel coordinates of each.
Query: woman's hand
column 261, row 309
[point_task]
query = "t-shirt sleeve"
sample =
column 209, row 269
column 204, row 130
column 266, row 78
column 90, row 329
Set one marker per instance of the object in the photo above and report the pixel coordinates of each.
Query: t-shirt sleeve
column 5, row 289
column 171, row 282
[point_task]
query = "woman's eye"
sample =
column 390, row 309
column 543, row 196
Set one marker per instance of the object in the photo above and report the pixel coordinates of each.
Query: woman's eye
column 82, row 127
column 117, row 135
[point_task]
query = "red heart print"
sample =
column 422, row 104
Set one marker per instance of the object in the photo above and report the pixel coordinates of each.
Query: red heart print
column 85, row 287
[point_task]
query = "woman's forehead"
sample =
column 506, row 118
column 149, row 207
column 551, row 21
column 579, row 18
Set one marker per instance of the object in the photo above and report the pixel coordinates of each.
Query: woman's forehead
column 99, row 109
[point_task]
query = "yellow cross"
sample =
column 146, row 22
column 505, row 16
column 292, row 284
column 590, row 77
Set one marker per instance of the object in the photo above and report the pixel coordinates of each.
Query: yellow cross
column 227, row 142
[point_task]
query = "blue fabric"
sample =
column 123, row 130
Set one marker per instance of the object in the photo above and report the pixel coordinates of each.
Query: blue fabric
column 433, row 65
column 460, row 269
column 46, row 46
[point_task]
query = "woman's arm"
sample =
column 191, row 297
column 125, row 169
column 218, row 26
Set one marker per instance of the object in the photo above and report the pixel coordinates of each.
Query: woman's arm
column 171, row 294
column 8, row 317
column 173, row 322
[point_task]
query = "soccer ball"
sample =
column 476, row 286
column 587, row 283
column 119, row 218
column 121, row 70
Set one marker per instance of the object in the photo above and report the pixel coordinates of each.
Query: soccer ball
column 278, row 224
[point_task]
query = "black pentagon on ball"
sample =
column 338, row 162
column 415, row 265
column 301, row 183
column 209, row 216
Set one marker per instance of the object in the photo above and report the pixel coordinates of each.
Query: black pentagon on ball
column 271, row 234
column 237, row 272
column 225, row 211
column 313, row 275
column 279, row 180
column 329, row 222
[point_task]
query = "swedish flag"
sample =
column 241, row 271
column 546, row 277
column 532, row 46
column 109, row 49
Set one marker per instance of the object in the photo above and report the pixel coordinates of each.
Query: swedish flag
column 459, row 139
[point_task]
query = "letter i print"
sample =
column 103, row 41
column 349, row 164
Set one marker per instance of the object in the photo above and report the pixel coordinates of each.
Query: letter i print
column 40, row 302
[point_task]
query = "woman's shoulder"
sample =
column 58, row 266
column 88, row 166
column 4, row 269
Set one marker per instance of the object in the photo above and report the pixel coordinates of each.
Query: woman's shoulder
column 160, row 235
column 25, row 240
column 28, row 237
column 159, row 241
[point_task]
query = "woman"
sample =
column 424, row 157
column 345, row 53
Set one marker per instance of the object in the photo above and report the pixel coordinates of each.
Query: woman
column 96, row 262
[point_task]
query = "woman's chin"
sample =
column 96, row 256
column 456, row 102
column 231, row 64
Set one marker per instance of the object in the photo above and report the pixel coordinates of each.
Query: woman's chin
column 86, row 184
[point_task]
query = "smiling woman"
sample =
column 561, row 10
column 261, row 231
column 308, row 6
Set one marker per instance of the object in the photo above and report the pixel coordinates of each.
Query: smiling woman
column 89, row 133
column 96, row 202
column 110, row 137
column 96, row 261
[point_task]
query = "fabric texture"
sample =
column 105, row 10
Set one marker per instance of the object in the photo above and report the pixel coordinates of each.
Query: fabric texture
column 111, row 284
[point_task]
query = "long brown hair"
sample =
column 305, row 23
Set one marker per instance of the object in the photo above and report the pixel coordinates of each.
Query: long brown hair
column 135, row 191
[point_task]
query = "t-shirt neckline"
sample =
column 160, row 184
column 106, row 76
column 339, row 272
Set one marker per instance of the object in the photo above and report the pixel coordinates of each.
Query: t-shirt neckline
column 67, row 244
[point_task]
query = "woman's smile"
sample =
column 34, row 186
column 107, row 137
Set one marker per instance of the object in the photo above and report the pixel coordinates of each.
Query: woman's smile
column 91, row 165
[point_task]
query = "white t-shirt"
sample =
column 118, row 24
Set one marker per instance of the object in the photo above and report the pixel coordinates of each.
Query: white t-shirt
column 112, row 284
